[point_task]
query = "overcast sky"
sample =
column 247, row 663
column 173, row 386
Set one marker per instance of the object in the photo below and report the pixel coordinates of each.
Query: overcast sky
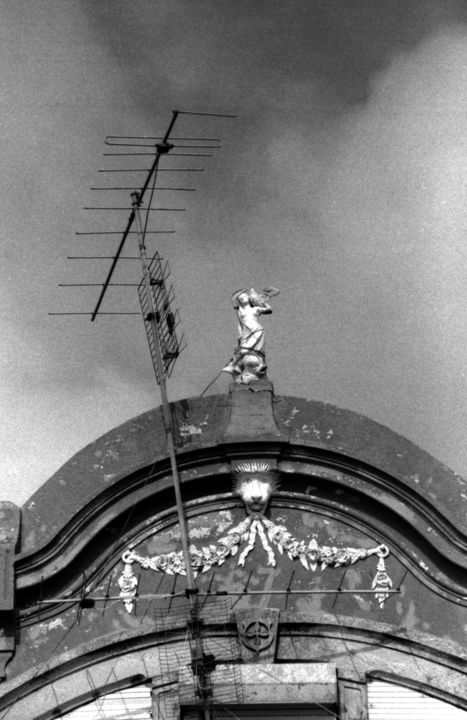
column 342, row 182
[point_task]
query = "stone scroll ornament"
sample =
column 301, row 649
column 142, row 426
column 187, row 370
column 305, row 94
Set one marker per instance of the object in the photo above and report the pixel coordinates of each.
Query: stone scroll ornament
column 255, row 482
column 248, row 362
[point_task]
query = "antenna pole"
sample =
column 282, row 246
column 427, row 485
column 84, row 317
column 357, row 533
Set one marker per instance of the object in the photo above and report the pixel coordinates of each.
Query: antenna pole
column 166, row 414
column 161, row 149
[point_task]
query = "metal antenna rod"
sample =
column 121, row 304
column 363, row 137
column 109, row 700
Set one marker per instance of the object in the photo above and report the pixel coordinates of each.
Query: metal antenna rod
column 160, row 149
column 167, row 415
column 153, row 318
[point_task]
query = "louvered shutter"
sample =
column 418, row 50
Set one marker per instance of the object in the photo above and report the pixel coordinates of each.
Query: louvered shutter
column 394, row 702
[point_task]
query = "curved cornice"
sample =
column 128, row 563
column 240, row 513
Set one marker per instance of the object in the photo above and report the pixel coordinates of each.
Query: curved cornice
column 431, row 547
column 203, row 425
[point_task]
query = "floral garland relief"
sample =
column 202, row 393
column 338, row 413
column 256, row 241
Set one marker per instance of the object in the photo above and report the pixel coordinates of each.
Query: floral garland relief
column 255, row 482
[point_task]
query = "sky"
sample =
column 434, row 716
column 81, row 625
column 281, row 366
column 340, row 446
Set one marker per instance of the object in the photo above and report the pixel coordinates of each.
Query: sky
column 341, row 181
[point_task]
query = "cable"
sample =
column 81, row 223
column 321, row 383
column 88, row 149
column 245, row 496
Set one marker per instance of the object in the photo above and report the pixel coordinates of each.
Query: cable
column 211, row 383
column 224, row 707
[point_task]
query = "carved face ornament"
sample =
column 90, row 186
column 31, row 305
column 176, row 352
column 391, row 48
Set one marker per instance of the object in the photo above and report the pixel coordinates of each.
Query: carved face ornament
column 255, row 483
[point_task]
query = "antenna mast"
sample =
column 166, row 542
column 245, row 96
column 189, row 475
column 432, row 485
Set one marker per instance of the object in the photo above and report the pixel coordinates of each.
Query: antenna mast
column 160, row 324
column 151, row 289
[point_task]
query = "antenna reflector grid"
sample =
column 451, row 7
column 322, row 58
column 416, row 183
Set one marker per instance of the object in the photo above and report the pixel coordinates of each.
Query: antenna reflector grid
column 166, row 320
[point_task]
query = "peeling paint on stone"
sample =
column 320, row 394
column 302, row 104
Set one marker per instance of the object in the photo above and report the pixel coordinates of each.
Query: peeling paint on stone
column 292, row 414
column 225, row 522
column 38, row 634
column 189, row 430
column 199, row 532
column 111, row 454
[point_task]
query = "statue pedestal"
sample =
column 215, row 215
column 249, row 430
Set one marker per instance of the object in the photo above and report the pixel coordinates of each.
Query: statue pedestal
column 252, row 416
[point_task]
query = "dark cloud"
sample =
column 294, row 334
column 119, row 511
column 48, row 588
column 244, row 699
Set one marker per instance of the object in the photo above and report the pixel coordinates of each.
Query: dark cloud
column 221, row 49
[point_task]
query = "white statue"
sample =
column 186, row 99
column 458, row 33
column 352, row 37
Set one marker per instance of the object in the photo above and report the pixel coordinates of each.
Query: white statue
column 249, row 362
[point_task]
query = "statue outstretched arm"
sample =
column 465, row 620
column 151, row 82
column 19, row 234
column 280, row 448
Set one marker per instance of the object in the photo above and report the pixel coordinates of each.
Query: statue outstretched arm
column 270, row 292
column 261, row 300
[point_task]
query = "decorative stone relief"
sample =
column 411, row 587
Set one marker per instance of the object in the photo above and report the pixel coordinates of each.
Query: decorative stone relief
column 248, row 362
column 128, row 583
column 255, row 482
column 257, row 632
column 381, row 583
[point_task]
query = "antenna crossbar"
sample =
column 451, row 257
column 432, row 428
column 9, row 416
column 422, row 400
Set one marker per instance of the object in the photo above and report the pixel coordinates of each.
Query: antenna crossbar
column 152, row 209
column 150, row 170
column 227, row 593
column 158, row 188
column 158, row 137
column 89, row 313
column 117, row 232
column 136, row 154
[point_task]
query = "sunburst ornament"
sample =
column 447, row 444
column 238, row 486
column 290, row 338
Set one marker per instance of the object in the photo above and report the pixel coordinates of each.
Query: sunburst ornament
column 258, row 470
column 253, row 466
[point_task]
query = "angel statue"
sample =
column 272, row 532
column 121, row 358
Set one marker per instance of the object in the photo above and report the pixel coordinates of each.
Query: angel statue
column 248, row 361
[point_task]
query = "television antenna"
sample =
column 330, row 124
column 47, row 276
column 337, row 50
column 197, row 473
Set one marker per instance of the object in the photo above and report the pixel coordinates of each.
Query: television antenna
column 156, row 298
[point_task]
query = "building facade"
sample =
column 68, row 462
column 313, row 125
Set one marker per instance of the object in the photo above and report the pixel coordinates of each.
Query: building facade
column 330, row 562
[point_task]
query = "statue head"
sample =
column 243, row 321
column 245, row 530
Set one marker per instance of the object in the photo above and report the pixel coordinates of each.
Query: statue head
column 246, row 296
column 240, row 297
column 255, row 482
